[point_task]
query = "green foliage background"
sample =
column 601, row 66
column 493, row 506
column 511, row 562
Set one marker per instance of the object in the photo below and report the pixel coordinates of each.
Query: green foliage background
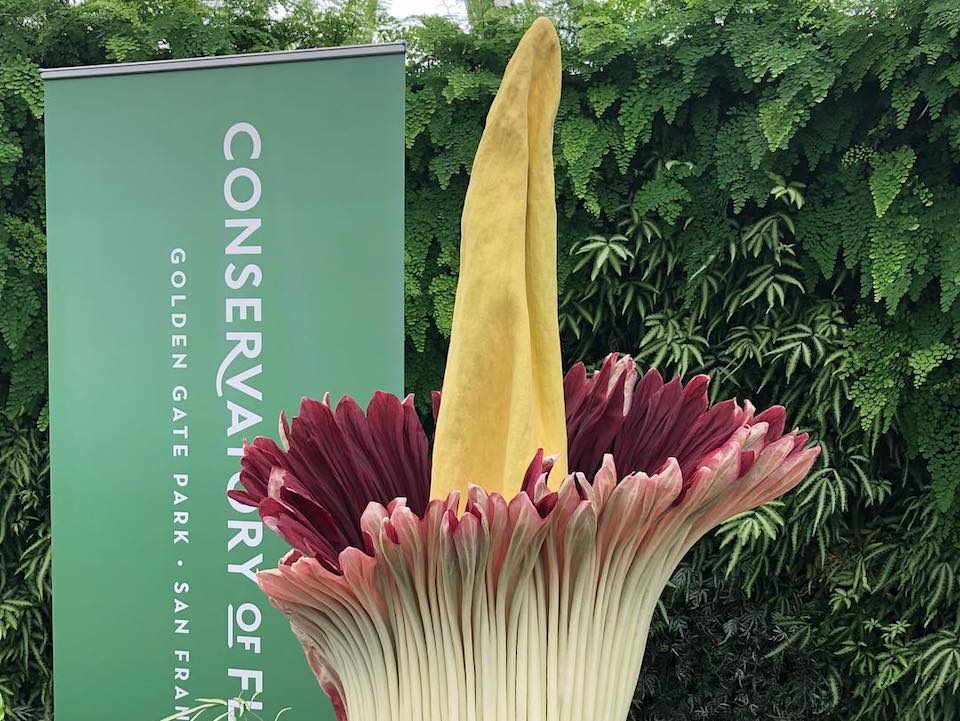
column 766, row 191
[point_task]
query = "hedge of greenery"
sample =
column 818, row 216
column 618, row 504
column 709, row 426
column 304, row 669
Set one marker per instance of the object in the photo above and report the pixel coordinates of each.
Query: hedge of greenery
column 764, row 191
column 767, row 192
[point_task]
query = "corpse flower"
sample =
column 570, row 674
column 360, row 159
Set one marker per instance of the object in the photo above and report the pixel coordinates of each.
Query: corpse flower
column 513, row 575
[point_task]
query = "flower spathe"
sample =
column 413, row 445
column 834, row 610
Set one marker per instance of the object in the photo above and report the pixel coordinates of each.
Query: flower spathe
column 533, row 604
column 335, row 463
column 535, row 607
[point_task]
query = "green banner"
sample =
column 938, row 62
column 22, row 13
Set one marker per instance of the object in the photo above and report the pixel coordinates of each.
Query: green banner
column 224, row 236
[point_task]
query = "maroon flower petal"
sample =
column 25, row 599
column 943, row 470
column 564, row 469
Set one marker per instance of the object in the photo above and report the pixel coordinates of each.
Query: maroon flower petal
column 314, row 493
column 339, row 462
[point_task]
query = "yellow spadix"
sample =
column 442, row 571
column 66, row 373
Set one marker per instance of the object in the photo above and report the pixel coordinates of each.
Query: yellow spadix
column 503, row 388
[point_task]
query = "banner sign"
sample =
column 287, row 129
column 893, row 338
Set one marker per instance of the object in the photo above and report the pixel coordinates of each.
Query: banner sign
column 225, row 235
